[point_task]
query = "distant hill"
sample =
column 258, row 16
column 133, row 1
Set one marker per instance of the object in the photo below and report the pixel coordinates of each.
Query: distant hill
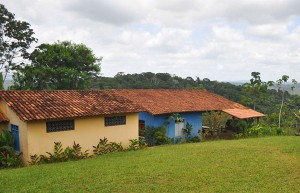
column 287, row 87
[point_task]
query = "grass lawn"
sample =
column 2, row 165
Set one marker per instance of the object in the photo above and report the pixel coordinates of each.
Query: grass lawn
column 270, row 164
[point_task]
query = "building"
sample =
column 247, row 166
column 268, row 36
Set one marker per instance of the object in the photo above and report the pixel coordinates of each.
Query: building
column 161, row 105
column 37, row 119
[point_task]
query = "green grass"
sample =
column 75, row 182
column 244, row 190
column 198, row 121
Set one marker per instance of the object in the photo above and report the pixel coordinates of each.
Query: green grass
column 270, row 164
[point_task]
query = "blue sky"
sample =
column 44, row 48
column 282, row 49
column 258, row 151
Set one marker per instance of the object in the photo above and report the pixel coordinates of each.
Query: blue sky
column 218, row 39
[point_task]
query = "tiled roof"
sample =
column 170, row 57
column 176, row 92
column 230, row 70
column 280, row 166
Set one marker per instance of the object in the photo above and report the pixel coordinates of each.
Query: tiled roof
column 243, row 113
column 3, row 118
column 170, row 101
column 41, row 105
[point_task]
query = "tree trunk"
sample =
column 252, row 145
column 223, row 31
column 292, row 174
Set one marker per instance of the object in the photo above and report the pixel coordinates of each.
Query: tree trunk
column 280, row 111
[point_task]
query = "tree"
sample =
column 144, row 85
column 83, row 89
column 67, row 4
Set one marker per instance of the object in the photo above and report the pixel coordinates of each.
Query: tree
column 280, row 83
column 15, row 38
column 62, row 65
column 256, row 88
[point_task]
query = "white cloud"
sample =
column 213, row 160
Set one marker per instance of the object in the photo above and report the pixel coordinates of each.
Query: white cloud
column 224, row 40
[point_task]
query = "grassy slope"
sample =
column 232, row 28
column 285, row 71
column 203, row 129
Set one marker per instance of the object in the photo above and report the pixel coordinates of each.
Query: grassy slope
column 252, row 165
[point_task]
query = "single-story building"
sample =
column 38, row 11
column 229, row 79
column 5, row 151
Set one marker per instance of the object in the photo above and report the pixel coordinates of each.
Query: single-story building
column 37, row 119
column 161, row 105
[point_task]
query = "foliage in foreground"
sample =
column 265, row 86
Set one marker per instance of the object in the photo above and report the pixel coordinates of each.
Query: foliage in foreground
column 269, row 164
column 75, row 152
column 155, row 135
column 9, row 158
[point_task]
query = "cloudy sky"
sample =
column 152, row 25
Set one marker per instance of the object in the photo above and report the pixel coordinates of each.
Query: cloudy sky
column 218, row 39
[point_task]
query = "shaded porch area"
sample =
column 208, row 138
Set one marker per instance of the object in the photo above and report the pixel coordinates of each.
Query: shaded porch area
column 227, row 123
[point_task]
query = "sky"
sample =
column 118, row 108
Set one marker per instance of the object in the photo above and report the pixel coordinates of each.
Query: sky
column 221, row 40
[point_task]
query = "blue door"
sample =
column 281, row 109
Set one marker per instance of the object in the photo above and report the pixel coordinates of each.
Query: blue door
column 15, row 132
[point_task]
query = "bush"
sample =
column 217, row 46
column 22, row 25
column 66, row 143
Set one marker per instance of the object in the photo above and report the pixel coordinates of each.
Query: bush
column 9, row 158
column 6, row 139
column 156, row 136
column 194, row 139
column 104, row 147
column 75, row 152
column 240, row 126
column 279, row 131
column 60, row 154
column 188, row 131
column 149, row 134
column 136, row 144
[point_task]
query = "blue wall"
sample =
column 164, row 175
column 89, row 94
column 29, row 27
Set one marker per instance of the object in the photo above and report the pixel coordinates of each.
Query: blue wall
column 195, row 119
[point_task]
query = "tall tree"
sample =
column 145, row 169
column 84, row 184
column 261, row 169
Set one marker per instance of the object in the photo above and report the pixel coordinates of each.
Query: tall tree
column 280, row 83
column 62, row 65
column 15, row 39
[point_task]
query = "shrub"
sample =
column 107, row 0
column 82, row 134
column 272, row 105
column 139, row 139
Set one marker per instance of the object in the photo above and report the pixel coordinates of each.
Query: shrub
column 194, row 139
column 156, row 136
column 136, row 144
column 142, row 143
column 104, row 147
column 34, row 159
column 279, row 131
column 149, row 133
column 8, row 156
column 60, row 154
column 75, row 153
column 6, row 139
column 57, row 156
column 215, row 121
column 240, row 126
column 188, row 130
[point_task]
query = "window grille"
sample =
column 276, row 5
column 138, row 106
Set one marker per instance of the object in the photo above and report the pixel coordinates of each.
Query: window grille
column 116, row 120
column 56, row 126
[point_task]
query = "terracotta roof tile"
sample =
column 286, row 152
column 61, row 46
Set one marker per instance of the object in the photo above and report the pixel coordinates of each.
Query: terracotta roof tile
column 170, row 101
column 243, row 113
column 41, row 105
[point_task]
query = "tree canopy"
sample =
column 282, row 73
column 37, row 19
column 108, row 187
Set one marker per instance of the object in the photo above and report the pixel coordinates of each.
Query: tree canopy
column 15, row 39
column 62, row 65
column 256, row 88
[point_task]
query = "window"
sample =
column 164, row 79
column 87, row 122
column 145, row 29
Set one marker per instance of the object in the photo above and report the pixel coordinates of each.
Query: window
column 179, row 126
column 116, row 120
column 55, row 126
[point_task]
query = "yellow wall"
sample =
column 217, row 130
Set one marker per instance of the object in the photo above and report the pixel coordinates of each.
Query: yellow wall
column 87, row 133
column 14, row 119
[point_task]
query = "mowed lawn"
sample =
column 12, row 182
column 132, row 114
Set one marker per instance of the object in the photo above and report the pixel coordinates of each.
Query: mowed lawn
column 269, row 164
